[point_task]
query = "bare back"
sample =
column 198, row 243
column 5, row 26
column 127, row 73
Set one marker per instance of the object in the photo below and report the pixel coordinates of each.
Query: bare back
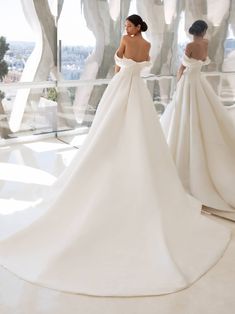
column 198, row 49
column 135, row 48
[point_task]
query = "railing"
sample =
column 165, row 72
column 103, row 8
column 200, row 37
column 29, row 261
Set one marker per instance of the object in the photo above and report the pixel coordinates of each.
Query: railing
column 51, row 112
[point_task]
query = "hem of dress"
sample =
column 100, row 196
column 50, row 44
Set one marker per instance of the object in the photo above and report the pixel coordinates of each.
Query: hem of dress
column 118, row 295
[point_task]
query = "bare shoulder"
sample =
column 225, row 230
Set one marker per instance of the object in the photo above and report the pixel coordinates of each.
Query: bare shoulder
column 147, row 46
column 126, row 38
column 147, row 43
column 189, row 45
column 188, row 49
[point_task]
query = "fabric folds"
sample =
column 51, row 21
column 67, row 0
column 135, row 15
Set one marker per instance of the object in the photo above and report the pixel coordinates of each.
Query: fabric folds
column 122, row 223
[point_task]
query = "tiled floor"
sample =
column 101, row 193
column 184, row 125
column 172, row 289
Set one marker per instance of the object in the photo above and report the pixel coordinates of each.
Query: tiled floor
column 35, row 167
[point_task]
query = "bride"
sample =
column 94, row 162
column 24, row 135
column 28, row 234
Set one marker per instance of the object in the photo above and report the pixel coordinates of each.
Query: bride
column 121, row 224
column 201, row 133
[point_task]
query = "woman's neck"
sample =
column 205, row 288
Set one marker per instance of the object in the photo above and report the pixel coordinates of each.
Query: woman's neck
column 137, row 35
column 198, row 37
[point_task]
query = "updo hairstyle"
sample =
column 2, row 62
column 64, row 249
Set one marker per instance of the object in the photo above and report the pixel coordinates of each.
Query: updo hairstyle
column 137, row 20
column 198, row 27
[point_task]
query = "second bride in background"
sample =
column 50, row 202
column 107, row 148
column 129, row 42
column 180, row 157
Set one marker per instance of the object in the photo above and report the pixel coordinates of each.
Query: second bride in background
column 201, row 133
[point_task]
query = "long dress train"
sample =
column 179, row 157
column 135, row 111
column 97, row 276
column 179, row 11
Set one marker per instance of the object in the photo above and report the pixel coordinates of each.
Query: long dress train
column 201, row 136
column 122, row 224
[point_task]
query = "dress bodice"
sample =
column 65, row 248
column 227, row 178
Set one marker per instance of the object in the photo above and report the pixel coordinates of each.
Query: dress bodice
column 131, row 66
column 194, row 65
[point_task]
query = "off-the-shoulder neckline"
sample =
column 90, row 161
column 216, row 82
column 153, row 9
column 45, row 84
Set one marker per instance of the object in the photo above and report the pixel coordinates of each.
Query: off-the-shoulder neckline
column 130, row 59
column 190, row 58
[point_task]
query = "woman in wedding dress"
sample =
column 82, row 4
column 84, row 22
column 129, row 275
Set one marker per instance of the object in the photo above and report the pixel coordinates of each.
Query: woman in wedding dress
column 122, row 224
column 200, row 132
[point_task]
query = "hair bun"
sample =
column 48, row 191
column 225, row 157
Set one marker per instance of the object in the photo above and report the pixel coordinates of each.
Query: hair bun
column 198, row 27
column 144, row 26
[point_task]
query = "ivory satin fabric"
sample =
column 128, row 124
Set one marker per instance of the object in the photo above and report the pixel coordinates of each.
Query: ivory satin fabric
column 201, row 136
column 122, row 224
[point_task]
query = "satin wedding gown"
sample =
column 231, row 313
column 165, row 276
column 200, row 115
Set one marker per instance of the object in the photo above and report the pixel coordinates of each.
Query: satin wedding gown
column 201, row 136
column 122, row 224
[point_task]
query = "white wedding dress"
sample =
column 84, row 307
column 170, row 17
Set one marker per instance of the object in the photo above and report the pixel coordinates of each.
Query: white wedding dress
column 201, row 136
column 122, row 224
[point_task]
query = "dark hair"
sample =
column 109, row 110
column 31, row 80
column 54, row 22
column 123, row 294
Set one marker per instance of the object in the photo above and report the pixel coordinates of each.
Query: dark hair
column 137, row 20
column 198, row 27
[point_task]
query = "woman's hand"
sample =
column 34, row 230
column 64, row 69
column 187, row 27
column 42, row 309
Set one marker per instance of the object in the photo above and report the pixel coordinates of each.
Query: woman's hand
column 180, row 72
column 117, row 69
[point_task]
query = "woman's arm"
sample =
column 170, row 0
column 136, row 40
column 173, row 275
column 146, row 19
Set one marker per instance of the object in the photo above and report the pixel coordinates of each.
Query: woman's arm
column 182, row 67
column 180, row 72
column 120, row 52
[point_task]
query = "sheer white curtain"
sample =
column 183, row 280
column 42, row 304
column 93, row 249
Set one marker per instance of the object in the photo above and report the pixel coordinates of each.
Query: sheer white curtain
column 42, row 60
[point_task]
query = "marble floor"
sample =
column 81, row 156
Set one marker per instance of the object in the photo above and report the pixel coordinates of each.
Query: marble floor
column 27, row 170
